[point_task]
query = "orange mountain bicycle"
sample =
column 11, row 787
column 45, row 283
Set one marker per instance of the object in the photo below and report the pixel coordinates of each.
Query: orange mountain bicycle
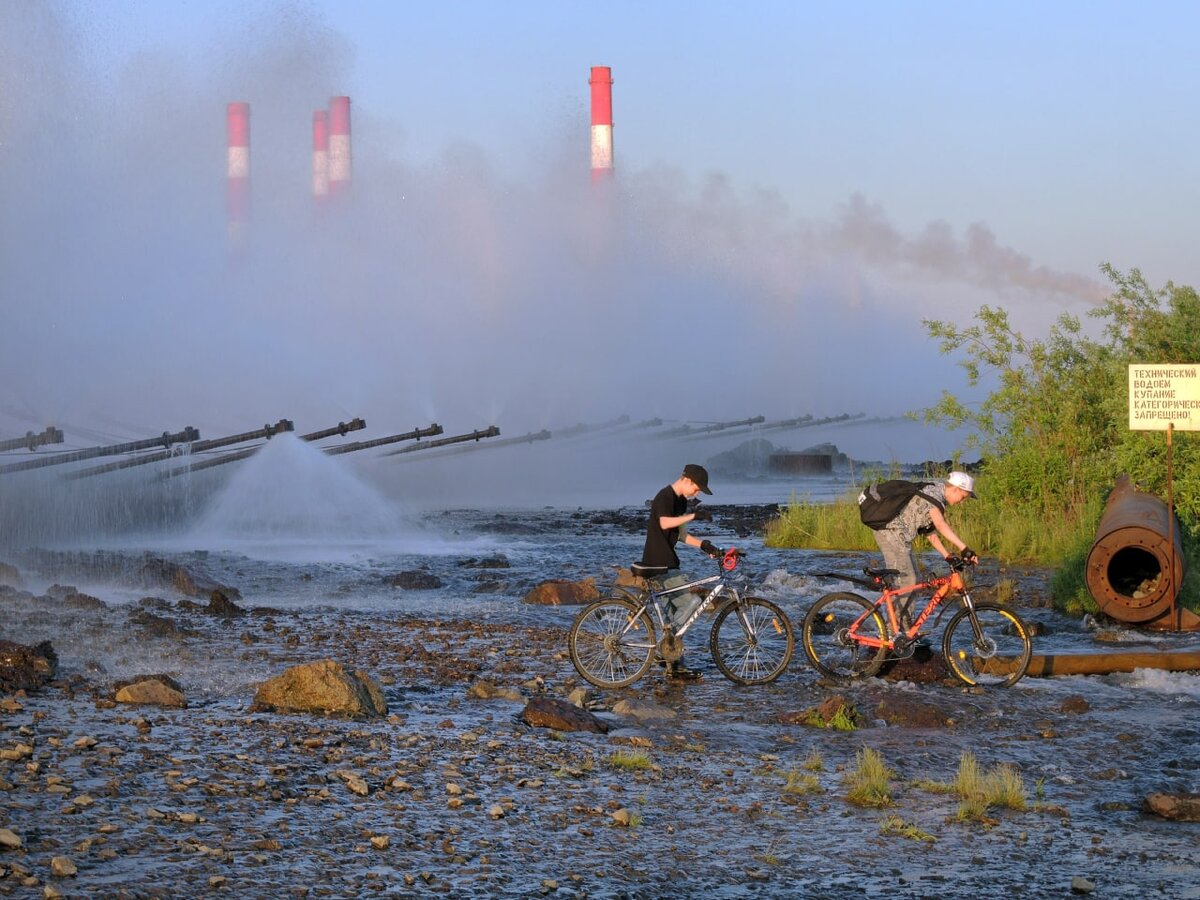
column 846, row 636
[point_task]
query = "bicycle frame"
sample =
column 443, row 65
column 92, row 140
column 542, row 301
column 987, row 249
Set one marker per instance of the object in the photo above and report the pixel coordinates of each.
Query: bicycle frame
column 648, row 597
column 945, row 586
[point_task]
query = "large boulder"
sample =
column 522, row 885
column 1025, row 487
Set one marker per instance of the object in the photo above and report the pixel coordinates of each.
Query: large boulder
column 550, row 712
column 151, row 690
column 193, row 584
column 26, row 668
column 324, row 687
column 561, row 592
column 1177, row 807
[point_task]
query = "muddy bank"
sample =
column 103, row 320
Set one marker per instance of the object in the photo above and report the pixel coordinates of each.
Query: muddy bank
column 696, row 788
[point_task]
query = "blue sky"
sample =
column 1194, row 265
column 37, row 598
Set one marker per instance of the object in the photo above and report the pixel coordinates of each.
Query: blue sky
column 798, row 186
column 1064, row 127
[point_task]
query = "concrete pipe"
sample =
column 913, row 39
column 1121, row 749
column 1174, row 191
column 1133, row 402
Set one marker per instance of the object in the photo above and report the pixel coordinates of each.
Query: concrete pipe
column 1134, row 569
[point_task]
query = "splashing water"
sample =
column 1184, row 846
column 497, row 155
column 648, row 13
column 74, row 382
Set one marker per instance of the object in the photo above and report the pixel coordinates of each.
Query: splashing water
column 291, row 494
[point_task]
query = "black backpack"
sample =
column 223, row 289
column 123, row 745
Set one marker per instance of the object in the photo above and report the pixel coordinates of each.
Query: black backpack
column 879, row 503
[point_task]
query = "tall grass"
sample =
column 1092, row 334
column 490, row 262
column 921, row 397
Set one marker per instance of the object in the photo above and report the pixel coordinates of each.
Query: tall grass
column 869, row 782
column 1011, row 534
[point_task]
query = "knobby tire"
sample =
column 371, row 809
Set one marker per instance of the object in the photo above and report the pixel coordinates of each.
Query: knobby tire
column 827, row 644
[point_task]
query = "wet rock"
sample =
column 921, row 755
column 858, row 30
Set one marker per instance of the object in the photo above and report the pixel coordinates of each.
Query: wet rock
column 154, row 625
column 78, row 600
column 486, row 690
column 1081, row 885
column 834, row 708
column 912, row 712
column 925, row 666
column 9, row 840
column 1074, row 704
column 151, row 690
column 221, row 606
column 10, row 576
column 622, row 817
column 183, row 579
column 414, row 580
column 643, row 711
column 1176, row 807
column 62, row 867
column 561, row 592
column 323, row 687
column 499, row 561
column 550, row 712
column 26, row 668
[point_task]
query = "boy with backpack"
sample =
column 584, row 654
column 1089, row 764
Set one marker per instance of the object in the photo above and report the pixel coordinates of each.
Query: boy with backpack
column 900, row 511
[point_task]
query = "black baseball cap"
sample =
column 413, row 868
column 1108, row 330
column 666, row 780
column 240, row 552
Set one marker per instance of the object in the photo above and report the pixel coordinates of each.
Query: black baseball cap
column 699, row 476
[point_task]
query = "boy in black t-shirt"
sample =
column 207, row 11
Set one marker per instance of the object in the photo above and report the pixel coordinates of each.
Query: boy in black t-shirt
column 669, row 518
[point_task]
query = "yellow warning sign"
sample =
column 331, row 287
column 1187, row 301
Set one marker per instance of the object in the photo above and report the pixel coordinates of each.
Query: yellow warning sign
column 1162, row 395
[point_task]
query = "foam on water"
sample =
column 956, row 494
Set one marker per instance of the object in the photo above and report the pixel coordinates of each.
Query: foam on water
column 1186, row 684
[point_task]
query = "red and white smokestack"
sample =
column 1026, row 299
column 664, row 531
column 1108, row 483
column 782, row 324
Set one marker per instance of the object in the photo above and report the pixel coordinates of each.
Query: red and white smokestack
column 320, row 157
column 602, row 138
column 339, row 145
column 237, row 122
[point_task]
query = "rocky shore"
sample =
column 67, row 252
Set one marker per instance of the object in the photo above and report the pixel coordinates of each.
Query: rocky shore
column 477, row 764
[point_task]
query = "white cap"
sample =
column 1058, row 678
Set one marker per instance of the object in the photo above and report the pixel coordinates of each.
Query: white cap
column 962, row 481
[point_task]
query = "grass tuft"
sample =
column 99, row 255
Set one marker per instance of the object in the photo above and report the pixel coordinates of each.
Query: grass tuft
column 634, row 760
column 869, row 781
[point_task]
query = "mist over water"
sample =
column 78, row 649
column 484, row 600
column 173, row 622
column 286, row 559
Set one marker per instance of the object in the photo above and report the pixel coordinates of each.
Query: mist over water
column 444, row 290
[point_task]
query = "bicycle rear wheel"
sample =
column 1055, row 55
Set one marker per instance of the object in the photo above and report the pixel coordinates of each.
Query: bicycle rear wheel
column 612, row 642
column 995, row 655
column 751, row 641
column 827, row 642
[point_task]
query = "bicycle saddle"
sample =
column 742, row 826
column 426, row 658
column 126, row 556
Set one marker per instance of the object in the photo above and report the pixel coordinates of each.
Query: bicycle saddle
column 881, row 573
column 647, row 571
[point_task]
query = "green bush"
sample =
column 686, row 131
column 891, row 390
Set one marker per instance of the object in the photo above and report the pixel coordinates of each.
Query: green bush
column 1054, row 435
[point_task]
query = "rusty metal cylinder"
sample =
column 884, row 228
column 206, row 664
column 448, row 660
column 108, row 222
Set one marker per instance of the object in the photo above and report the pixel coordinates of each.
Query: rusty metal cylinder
column 1136, row 563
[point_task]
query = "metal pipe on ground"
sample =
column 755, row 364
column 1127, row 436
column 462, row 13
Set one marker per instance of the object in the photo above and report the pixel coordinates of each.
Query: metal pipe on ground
column 197, row 447
column 415, row 435
column 166, row 439
column 477, row 435
column 32, row 441
column 278, row 428
column 1134, row 569
column 341, row 428
column 523, row 439
column 692, row 430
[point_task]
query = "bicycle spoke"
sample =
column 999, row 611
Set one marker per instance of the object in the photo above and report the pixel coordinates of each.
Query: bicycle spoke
column 611, row 643
column 993, row 650
column 752, row 641
column 829, row 644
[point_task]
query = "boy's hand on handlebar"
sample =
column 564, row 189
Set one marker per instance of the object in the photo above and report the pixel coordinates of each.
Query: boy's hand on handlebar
column 707, row 546
column 954, row 562
column 969, row 556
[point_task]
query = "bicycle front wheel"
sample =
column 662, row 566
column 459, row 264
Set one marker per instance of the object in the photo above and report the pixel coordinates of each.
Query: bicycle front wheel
column 831, row 648
column 612, row 642
column 990, row 649
column 751, row 641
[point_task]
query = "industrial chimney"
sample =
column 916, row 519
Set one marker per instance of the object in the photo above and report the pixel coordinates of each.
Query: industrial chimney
column 320, row 155
column 602, row 143
column 237, row 122
column 339, row 145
